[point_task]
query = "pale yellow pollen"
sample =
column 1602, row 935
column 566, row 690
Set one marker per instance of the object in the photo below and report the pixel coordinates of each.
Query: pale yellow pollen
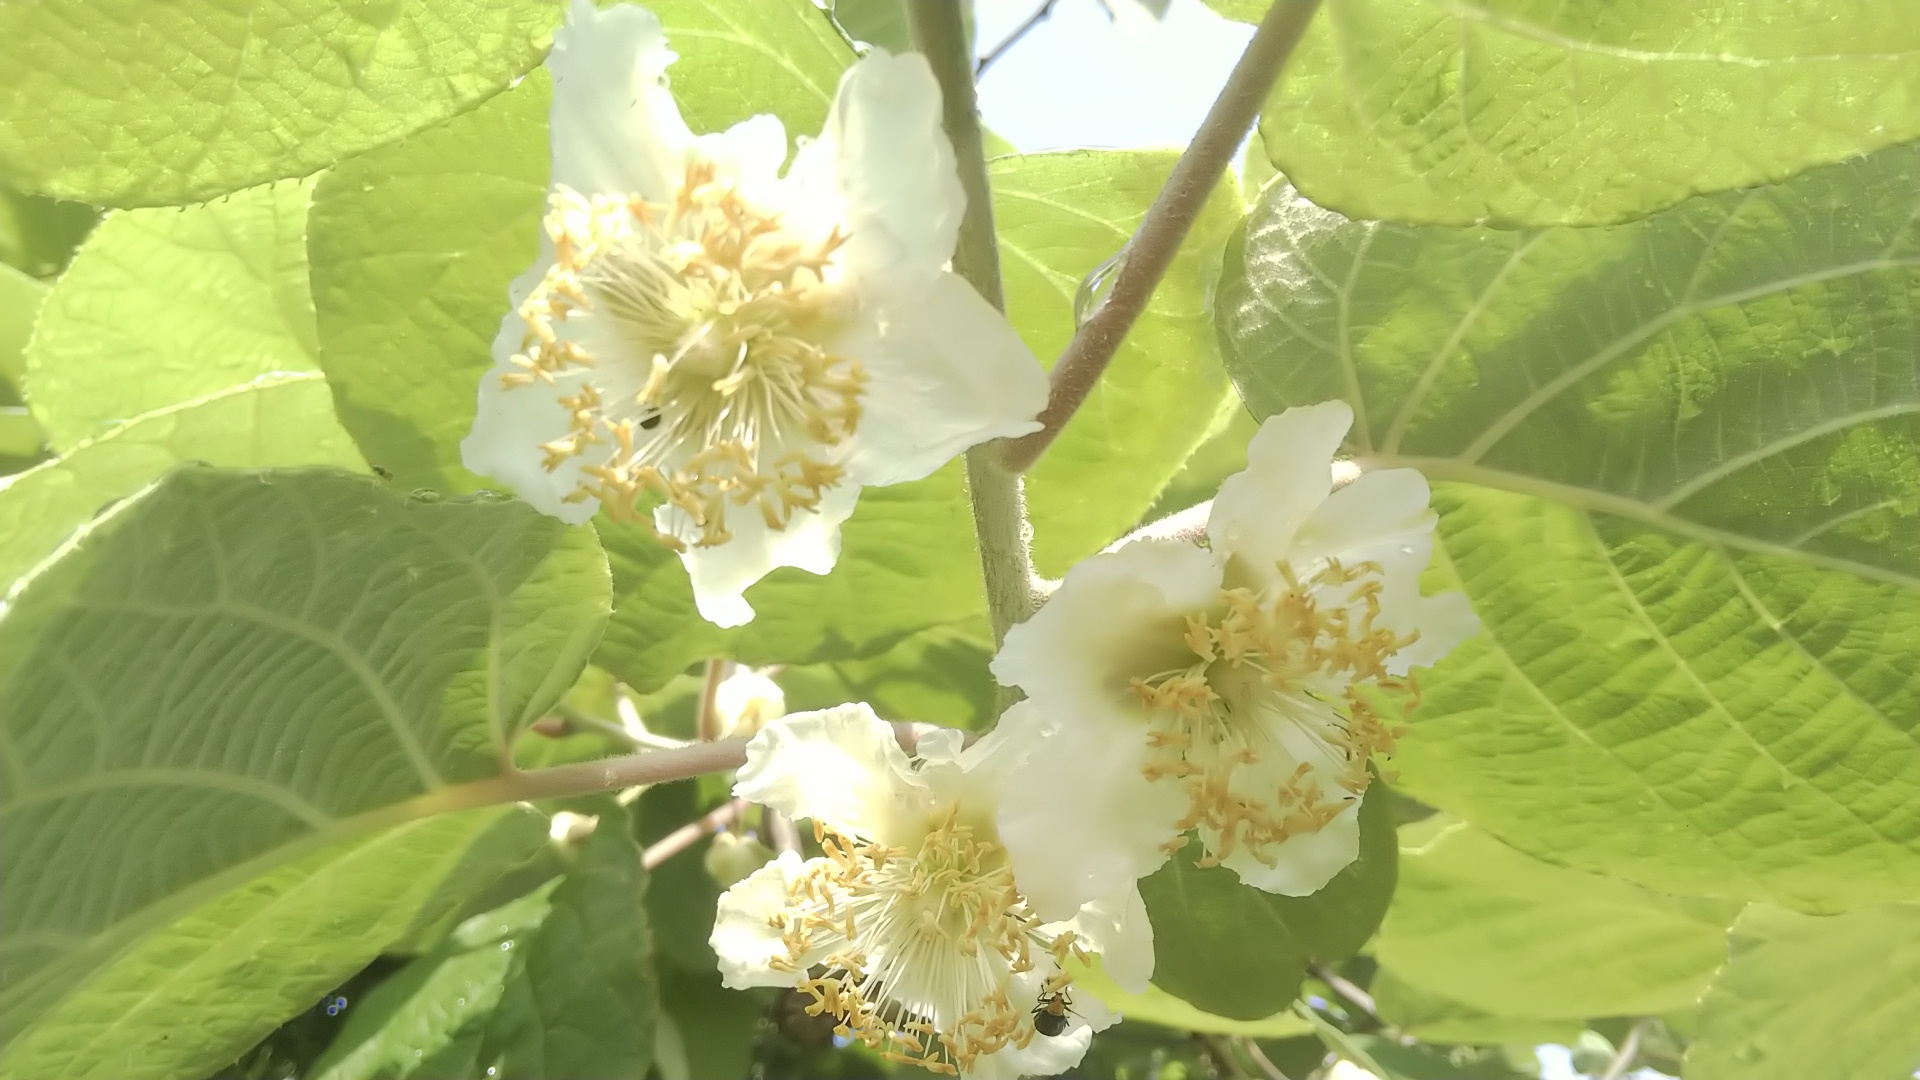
column 720, row 317
column 868, row 925
column 1253, row 654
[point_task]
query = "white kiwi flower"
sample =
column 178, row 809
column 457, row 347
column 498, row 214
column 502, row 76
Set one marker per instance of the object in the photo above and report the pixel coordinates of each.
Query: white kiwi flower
column 739, row 348
column 909, row 930
column 1223, row 689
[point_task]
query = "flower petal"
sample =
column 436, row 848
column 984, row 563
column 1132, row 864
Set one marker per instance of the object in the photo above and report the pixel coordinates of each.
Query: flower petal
column 743, row 936
column 615, row 126
column 1116, row 616
column 946, row 374
column 841, row 767
column 722, row 573
column 510, row 426
column 1384, row 517
column 1289, row 472
column 886, row 161
column 1119, row 930
column 1303, row 864
column 1079, row 820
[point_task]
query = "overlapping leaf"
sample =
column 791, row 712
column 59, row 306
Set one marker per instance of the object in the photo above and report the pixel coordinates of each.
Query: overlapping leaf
column 1523, row 113
column 1806, row 995
column 127, row 103
column 163, row 306
column 1680, row 482
column 1509, row 935
column 230, row 673
column 556, row 983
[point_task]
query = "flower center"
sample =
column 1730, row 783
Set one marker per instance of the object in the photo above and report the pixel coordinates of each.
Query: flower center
column 1270, row 707
column 705, row 321
column 919, row 947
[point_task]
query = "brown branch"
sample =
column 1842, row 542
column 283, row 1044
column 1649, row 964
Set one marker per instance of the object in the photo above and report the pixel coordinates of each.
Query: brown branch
column 1039, row 16
column 706, row 723
column 689, row 834
column 1151, row 251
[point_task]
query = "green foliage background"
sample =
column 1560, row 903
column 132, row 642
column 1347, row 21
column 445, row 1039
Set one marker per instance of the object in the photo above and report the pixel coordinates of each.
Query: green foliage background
column 1635, row 284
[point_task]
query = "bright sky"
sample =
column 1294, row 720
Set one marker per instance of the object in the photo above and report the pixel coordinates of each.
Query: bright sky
column 1080, row 79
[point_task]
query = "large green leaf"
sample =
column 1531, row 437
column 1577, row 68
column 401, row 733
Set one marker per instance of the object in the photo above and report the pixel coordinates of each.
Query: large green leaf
column 1059, row 217
column 163, row 306
column 1529, row 112
column 1807, row 996
column 1496, row 930
column 20, row 300
column 275, row 421
column 1241, row 953
column 1680, row 480
column 208, row 981
column 237, row 670
column 129, row 103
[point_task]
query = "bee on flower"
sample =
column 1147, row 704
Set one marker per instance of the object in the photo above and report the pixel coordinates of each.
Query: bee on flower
column 909, row 931
column 1226, row 691
column 729, row 351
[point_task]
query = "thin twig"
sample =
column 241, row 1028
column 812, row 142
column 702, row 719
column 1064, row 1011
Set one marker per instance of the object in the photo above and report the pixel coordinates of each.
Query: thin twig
column 1629, row 1051
column 999, row 504
column 1157, row 240
column 1039, row 16
column 781, row 831
column 1261, row 1059
column 707, row 720
column 689, row 834
column 1346, row 989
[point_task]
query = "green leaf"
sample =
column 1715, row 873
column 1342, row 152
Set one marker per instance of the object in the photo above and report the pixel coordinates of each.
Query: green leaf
column 20, row 300
column 1059, row 217
column 716, row 1027
column 1806, row 996
column 1509, row 935
column 275, row 421
column 163, row 306
column 584, row 1002
column 209, row 979
column 876, row 22
column 1156, row 1006
column 937, row 676
column 124, row 103
column 1417, row 1011
column 785, row 59
column 1679, row 467
column 1241, row 953
column 1520, row 113
column 234, row 671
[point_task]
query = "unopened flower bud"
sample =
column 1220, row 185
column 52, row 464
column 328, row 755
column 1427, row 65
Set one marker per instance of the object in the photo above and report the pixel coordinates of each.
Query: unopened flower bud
column 732, row 857
column 746, row 702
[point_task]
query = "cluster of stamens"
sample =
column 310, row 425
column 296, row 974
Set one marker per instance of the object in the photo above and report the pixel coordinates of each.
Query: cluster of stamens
column 912, row 952
column 717, row 315
column 1296, row 657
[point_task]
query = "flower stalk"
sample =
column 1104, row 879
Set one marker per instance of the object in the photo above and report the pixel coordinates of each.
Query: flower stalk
column 999, row 503
column 1148, row 255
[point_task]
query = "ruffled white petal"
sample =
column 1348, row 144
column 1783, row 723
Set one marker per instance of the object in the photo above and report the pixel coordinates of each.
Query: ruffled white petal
column 615, row 126
column 1303, row 864
column 944, row 374
column 721, row 574
column 510, row 426
column 841, row 767
column 743, row 936
column 1115, row 616
column 1079, row 820
column 1119, row 930
column 1289, row 472
column 885, row 160
column 1444, row 621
